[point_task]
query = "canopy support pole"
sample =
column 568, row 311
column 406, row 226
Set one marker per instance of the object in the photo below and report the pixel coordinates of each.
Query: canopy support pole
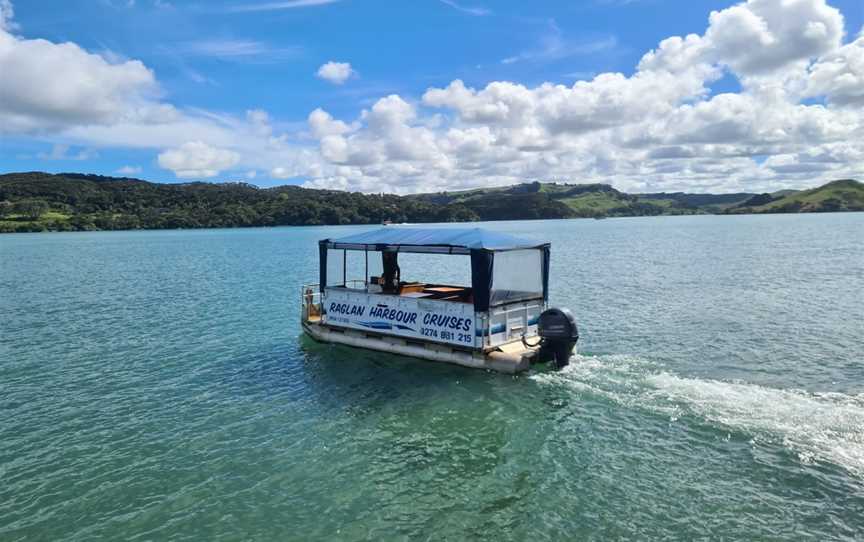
column 322, row 265
column 481, row 278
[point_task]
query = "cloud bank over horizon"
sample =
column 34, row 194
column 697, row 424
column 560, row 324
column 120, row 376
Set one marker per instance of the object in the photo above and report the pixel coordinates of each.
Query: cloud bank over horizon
column 795, row 116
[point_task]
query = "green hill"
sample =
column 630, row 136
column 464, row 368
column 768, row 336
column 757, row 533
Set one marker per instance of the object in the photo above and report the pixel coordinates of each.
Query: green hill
column 704, row 202
column 843, row 195
column 75, row 202
column 567, row 200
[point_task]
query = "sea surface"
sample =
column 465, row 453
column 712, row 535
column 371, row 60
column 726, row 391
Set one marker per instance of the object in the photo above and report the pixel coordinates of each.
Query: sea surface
column 155, row 386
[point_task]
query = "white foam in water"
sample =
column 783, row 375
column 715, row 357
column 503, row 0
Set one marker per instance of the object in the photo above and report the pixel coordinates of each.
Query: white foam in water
column 818, row 427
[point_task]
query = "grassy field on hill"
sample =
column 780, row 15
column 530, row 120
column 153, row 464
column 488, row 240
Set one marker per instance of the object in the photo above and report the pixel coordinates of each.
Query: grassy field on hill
column 844, row 195
column 575, row 200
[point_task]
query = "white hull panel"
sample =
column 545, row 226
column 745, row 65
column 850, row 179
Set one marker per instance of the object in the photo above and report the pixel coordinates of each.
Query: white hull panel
column 513, row 358
column 426, row 320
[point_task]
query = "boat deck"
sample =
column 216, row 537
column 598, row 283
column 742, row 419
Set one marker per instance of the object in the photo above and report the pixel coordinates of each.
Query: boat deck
column 420, row 290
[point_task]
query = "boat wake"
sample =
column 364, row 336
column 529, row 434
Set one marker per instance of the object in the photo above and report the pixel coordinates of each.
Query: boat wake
column 817, row 427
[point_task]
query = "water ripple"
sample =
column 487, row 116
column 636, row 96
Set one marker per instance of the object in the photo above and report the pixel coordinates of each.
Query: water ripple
column 153, row 386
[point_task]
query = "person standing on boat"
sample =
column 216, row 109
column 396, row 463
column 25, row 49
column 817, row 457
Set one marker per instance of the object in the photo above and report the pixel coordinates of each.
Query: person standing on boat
column 392, row 273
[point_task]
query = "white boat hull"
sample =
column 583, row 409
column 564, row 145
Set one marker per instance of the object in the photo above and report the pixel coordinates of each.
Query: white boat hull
column 509, row 358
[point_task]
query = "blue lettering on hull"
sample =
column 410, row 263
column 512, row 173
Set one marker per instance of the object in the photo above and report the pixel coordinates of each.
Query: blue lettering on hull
column 447, row 322
column 346, row 309
column 386, row 325
column 398, row 315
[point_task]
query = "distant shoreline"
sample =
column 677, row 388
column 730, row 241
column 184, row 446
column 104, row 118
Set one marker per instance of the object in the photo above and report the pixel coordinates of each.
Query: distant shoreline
column 419, row 223
column 41, row 202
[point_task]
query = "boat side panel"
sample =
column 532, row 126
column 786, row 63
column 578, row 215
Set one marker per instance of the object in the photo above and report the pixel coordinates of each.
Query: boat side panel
column 420, row 319
column 512, row 321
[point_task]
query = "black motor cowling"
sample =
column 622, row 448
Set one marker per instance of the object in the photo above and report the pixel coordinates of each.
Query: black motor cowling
column 558, row 333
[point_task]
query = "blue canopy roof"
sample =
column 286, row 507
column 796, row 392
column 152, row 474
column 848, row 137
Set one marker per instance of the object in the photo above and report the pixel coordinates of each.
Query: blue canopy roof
column 424, row 239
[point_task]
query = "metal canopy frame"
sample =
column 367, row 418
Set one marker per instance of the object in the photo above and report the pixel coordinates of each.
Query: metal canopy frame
column 417, row 249
column 482, row 257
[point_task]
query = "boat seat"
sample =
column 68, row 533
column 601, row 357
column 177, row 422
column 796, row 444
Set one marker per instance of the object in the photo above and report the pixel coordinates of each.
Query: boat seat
column 411, row 287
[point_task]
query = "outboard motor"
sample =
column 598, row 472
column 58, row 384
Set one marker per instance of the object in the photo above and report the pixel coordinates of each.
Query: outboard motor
column 558, row 333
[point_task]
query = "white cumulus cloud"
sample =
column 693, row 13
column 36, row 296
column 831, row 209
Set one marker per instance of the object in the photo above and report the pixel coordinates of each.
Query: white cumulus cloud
column 280, row 173
column 335, row 72
column 129, row 170
column 794, row 119
column 839, row 75
column 7, row 13
column 46, row 86
column 196, row 159
column 659, row 128
column 322, row 124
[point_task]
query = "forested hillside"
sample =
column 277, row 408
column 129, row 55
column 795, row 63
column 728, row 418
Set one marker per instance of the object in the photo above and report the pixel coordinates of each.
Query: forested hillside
column 40, row 201
column 76, row 202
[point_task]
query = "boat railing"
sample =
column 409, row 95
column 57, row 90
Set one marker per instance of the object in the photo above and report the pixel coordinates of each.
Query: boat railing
column 355, row 284
column 310, row 302
column 485, row 324
column 523, row 308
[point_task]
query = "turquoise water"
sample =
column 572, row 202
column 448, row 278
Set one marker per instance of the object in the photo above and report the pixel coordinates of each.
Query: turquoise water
column 153, row 385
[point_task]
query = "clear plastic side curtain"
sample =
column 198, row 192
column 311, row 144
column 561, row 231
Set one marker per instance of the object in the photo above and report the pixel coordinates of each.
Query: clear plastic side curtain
column 481, row 278
column 517, row 275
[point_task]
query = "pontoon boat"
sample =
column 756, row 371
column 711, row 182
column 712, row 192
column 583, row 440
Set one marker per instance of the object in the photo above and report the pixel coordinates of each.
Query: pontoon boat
column 500, row 321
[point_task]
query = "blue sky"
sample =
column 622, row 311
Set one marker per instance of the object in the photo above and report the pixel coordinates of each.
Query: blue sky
column 213, row 62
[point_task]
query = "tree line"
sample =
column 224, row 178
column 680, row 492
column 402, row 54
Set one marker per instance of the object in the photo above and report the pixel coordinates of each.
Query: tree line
column 75, row 202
